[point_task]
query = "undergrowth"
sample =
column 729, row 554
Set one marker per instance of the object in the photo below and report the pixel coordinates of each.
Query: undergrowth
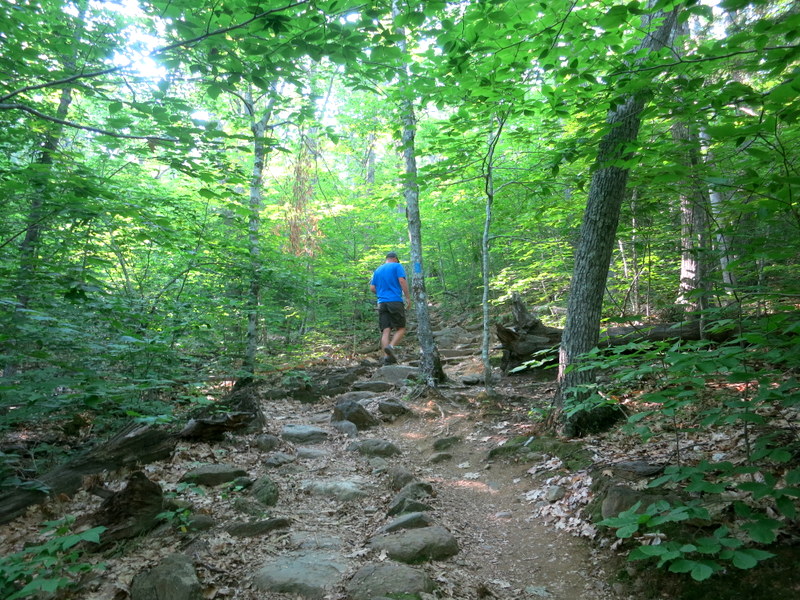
column 745, row 387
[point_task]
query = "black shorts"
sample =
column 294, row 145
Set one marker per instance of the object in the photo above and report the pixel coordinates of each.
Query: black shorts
column 391, row 315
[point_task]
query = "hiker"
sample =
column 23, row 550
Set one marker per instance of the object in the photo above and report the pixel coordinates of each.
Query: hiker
column 389, row 283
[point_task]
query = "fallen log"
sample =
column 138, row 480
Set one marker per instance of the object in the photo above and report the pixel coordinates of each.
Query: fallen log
column 528, row 335
column 136, row 444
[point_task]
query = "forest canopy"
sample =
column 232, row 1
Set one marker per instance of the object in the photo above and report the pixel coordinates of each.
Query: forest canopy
column 197, row 190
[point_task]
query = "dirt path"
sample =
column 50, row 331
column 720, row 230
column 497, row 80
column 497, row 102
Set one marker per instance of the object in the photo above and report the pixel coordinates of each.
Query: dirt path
column 506, row 552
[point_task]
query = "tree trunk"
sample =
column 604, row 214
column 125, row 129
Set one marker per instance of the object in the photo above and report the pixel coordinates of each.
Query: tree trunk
column 430, row 364
column 598, row 232
column 692, row 290
column 259, row 128
column 488, row 175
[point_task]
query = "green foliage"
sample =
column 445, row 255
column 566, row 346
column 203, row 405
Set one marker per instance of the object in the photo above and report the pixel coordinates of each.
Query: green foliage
column 741, row 383
column 700, row 556
column 51, row 566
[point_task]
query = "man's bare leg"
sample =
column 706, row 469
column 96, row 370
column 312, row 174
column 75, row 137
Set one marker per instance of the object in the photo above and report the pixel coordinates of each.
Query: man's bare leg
column 398, row 335
column 385, row 334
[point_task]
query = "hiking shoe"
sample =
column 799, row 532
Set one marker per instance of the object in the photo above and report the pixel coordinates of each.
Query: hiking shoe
column 389, row 350
column 388, row 360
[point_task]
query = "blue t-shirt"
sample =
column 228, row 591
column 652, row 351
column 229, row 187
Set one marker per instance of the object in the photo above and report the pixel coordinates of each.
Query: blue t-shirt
column 385, row 280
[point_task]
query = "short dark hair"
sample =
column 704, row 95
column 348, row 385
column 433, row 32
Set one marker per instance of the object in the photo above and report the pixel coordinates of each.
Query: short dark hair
column 391, row 255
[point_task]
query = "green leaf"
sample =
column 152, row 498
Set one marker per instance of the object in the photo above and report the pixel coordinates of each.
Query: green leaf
column 702, row 571
column 681, row 565
column 763, row 531
column 786, row 506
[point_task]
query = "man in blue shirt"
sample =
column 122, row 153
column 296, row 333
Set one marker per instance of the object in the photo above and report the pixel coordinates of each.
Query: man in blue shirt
column 389, row 283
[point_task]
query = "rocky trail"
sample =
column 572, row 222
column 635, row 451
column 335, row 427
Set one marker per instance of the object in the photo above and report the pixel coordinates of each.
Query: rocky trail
column 404, row 505
column 368, row 494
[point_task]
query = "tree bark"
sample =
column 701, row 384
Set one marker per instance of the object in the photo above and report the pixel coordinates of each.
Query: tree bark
column 430, row 364
column 598, row 231
column 258, row 127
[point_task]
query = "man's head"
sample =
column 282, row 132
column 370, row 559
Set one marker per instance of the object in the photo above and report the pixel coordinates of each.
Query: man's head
column 391, row 257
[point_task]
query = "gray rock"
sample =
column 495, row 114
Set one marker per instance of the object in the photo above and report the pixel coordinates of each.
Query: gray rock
column 355, row 397
column 258, row 528
column 417, row 545
column 416, row 490
column 399, row 477
column 440, row 457
column 395, row 374
column 350, row 410
column 345, row 427
column 173, row 579
column 265, row 491
column 393, row 408
column 373, row 447
column 266, row 442
column 377, row 580
column 620, row 498
column 342, row 490
column 307, row 540
column 412, row 520
column 311, row 453
column 213, row 474
column 304, row 434
column 634, row 469
column 308, row 575
column 373, row 386
column 242, row 483
column 555, row 493
column 278, row 459
column 446, row 443
column 201, row 523
column 378, row 464
column 401, row 506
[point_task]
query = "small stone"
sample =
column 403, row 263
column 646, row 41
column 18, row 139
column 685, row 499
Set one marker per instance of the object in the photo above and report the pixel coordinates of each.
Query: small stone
column 412, row 520
column 440, row 457
column 258, row 528
column 555, row 493
column 404, row 505
column 503, row 514
column 278, row 459
column 399, row 477
column 311, row 575
column 446, row 443
column 304, row 434
column 393, row 408
column 350, row 410
column 380, row 580
column 213, row 475
column 266, row 442
column 201, row 523
column 345, row 427
column 417, row 545
column 342, row 490
column 373, row 447
column 265, row 491
column 173, row 578
column 378, row 464
column 311, row 453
